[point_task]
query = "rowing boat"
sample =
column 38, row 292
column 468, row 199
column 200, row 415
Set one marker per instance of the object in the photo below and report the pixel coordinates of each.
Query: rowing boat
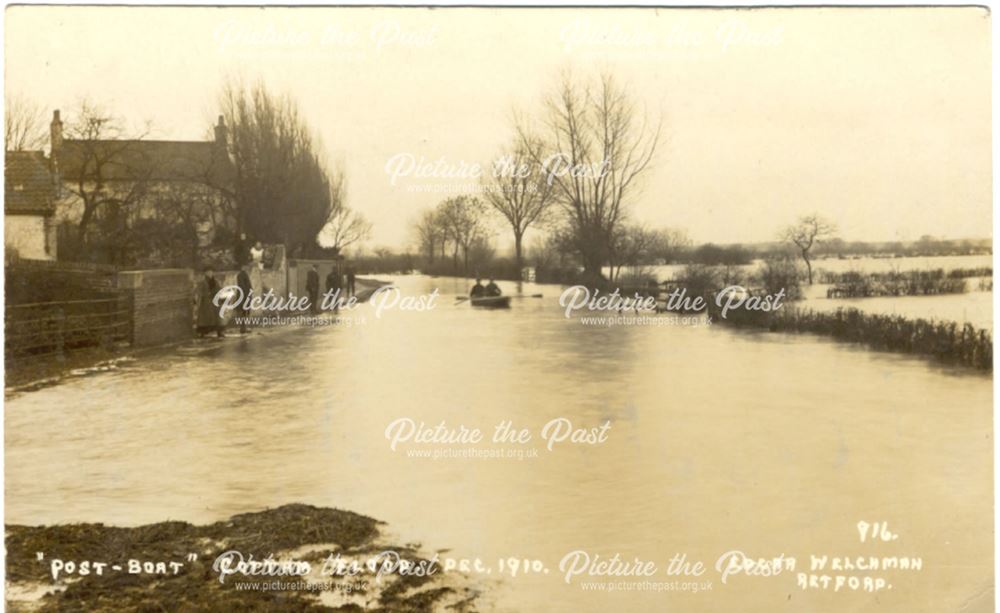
column 491, row 302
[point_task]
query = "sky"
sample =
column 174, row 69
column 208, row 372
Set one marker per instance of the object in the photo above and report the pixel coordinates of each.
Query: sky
column 877, row 119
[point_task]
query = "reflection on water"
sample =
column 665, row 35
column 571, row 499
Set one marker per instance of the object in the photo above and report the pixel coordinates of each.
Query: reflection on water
column 720, row 440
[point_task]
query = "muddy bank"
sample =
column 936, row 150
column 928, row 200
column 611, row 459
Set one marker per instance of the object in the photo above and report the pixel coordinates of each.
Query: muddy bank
column 366, row 287
column 172, row 566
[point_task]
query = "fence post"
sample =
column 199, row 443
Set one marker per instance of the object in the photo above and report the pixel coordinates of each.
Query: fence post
column 111, row 318
column 60, row 334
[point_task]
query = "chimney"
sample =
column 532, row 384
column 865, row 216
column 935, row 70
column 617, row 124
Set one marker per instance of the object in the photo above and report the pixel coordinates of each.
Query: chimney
column 220, row 132
column 56, row 139
column 55, row 133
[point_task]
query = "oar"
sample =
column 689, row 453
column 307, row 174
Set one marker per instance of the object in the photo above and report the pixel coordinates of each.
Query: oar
column 462, row 299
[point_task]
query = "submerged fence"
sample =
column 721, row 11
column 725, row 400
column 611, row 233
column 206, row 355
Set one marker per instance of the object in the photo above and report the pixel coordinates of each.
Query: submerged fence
column 54, row 310
column 912, row 283
column 37, row 330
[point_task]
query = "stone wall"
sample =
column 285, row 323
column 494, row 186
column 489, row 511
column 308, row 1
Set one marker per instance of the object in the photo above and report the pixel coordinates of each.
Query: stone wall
column 158, row 304
column 161, row 303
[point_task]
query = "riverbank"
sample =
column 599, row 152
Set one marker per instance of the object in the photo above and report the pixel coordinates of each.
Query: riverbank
column 189, row 577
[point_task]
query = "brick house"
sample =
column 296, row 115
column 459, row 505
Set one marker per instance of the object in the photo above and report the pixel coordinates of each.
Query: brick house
column 30, row 193
column 177, row 184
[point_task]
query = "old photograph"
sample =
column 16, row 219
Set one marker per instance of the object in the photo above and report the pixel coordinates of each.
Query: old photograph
column 498, row 309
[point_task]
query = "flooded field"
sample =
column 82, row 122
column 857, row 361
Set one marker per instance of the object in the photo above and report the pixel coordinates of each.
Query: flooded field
column 720, row 440
column 869, row 265
column 862, row 265
column 974, row 307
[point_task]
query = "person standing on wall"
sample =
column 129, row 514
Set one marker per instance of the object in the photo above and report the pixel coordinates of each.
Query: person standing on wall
column 257, row 254
column 256, row 270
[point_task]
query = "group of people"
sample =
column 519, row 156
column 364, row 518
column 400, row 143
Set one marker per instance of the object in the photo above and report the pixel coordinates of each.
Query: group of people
column 333, row 284
column 250, row 259
column 208, row 320
column 482, row 291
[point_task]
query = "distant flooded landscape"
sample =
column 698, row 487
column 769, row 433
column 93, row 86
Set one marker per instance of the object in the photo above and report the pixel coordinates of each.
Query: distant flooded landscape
column 975, row 306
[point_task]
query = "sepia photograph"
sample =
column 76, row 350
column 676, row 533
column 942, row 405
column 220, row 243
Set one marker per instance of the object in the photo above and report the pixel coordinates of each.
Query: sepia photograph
column 498, row 309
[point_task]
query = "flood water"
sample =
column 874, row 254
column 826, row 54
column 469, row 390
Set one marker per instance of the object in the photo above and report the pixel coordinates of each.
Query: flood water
column 720, row 440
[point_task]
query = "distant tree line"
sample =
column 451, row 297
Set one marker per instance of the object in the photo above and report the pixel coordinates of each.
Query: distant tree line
column 555, row 258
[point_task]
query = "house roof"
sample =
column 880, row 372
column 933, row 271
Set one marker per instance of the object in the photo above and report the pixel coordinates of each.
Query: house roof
column 28, row 185
column 154, row 160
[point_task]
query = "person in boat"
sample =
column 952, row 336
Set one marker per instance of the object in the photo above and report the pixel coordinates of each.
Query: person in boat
column 478, row 290
column 492, row 289
column 208, row 313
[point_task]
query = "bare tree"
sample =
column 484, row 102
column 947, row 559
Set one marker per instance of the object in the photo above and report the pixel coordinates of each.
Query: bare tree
column 24, row 125
column 186, row 215
column 518, row 190
column 805, row 234
column 345, row 227
column 480, row 252
column 556, row 250
column 544, row 253
column 669, row 243
column 462, row 219
column 107, row 170
column 633, row 246
column 431, row 234
column 597, row 147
